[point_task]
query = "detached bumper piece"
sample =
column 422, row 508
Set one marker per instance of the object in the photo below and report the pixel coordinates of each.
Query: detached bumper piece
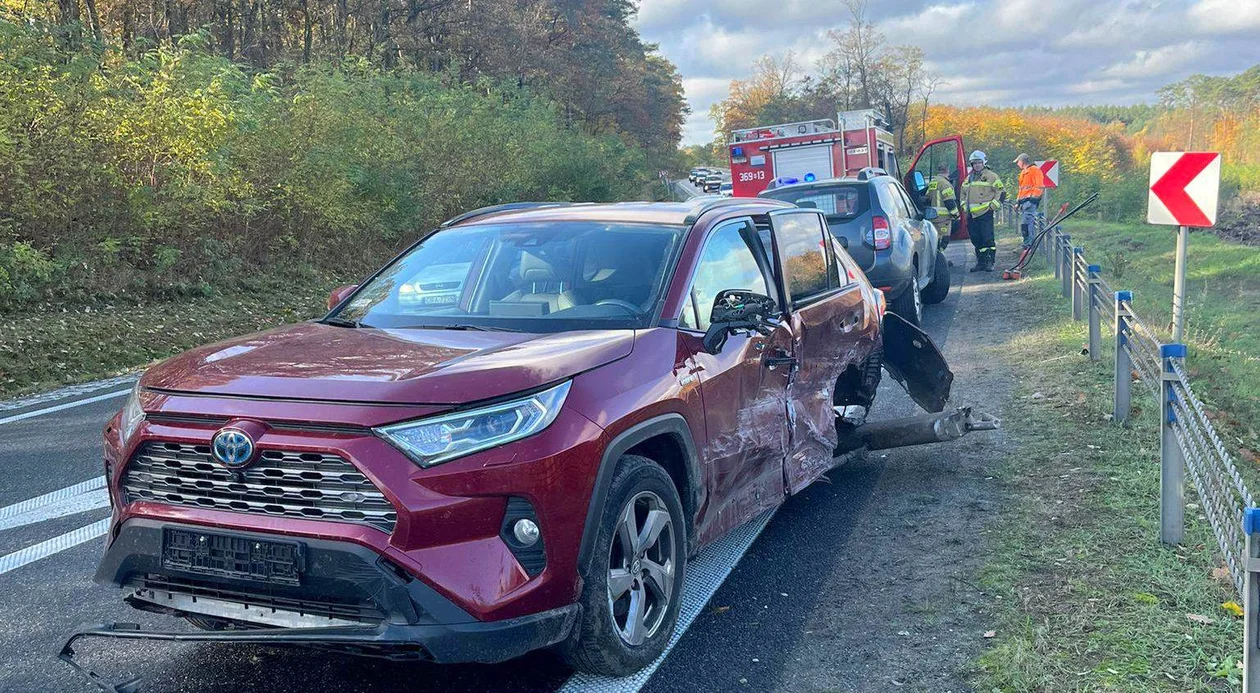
column 467, row 642
column 320, row 593
column 916, row 430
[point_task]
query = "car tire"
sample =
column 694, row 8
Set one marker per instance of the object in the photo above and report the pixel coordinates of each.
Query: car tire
column 939, row 288
column 605, row 641
column 909, row 304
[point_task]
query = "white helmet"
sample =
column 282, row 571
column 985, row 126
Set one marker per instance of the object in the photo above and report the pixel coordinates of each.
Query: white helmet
column 979, row 156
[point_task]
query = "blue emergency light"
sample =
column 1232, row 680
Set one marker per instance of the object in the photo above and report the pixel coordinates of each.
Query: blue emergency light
column 810, row 178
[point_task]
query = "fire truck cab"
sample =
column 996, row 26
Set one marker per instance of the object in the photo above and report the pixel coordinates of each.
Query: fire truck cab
column 819, row 149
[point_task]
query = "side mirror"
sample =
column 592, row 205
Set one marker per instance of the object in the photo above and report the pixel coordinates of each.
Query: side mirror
column 920, row 184
column 339, row 294
column 930, row 213
column 737, row 309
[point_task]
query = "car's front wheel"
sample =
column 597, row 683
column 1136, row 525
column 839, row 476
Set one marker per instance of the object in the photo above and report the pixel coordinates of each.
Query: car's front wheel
column 633, row 580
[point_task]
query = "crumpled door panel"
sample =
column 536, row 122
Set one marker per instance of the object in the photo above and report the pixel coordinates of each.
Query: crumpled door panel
column 913, row 359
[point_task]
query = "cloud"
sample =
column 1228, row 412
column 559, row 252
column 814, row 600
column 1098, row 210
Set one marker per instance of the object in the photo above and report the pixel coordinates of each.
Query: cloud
column 993, row 52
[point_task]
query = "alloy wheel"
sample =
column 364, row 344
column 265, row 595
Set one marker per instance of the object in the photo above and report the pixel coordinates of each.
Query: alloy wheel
column 918, row 300
column 641, row 568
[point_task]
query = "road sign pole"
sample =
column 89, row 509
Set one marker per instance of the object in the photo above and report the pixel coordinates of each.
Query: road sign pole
column 1179, row 287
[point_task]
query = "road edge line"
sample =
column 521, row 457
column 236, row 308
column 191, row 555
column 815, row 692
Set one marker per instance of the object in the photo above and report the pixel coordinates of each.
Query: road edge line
column 22, row 507
column 61, row 407
column 57, row 544
column 705, row 576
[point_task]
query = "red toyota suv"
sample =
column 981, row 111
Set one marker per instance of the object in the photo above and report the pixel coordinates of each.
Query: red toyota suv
column 512, row 436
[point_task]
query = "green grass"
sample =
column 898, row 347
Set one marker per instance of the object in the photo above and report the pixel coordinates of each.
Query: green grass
column 53, row 345
column 1087, row 598
column 1222, row 307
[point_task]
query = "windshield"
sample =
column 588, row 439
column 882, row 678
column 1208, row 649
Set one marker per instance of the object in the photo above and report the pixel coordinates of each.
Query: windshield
column 843, row 201
column 539, row 277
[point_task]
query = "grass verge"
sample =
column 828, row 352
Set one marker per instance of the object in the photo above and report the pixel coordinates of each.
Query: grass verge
column 56, row 345
column 1222, row 301
column 1087, row 599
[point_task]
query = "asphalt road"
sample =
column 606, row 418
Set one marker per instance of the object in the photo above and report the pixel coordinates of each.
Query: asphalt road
column 783, row 586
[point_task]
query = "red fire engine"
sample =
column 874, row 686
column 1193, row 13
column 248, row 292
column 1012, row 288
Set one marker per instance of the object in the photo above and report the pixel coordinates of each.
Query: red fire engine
column 818, row 149
column 813, row 149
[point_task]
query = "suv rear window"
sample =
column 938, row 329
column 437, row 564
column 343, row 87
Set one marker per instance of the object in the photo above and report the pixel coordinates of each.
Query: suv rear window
column 841, row 201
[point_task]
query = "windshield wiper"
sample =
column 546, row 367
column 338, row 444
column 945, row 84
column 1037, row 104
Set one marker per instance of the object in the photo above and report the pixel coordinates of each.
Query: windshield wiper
column 469, row 328
column 341, row 322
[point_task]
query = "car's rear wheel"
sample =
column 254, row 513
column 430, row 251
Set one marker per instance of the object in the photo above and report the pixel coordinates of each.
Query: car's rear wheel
column 633, row 580
column 909, row 304
column 939, row 288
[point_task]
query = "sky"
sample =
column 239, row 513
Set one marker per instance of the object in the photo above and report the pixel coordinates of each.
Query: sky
column 990, row 52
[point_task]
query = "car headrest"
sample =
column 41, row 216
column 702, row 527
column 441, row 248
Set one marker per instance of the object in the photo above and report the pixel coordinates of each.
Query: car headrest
column 807, row 204
column 535, row 269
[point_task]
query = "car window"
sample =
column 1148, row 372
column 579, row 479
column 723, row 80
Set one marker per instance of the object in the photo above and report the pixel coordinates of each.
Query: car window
column 898, row 201
column 911, row 208
column 534, row 277
column 803, row 254
column 727, row 262
column 844, row 201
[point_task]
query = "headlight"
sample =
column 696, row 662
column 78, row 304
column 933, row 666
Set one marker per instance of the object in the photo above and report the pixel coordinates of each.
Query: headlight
column 444, row 438
column 132, row 414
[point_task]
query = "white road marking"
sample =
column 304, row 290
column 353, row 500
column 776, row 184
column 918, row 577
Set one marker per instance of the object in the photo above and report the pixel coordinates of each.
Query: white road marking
column 26, row 506
column 61, row 407
column 57, row 544
column 74, row 505
column 704, row 576
column 68, row 392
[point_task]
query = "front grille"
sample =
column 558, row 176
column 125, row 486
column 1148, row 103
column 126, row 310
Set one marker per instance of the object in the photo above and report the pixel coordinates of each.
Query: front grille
column 281, row 483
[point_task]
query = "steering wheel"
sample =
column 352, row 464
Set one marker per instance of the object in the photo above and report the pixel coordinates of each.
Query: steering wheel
column 620, row 304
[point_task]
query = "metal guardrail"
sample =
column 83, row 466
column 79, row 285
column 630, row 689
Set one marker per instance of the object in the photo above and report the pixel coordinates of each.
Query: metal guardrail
column 1189, row 443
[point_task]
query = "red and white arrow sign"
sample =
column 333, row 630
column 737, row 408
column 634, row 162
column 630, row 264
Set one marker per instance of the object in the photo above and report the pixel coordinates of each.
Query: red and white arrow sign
column 1050, row 168
column 1184, row 188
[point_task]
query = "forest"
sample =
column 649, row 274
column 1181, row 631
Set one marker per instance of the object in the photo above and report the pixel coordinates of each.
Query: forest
column 159, row 149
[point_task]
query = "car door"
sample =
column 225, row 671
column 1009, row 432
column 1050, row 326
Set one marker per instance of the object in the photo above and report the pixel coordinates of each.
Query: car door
column 826, row 313
column 923, row 235
column 743, row 386
column 947, row 152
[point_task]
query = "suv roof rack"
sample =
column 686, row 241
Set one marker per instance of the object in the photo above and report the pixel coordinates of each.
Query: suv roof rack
column 870, row 172
column 709, row 202
column 492, row 209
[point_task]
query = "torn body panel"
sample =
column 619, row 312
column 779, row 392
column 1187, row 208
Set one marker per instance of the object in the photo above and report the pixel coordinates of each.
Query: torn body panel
column 914, row 360
column 828, row 340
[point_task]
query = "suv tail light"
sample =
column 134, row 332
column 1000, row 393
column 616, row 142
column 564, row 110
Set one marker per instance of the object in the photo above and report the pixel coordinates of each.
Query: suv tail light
column 880, row 235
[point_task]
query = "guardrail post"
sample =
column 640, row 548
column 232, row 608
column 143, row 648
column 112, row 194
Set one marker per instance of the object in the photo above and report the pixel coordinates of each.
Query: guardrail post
column 1095, row 319
column 1065, row 269
column 1078, row 283
column 1051, row 235
column 1172, row 461
column 1251, row 601
column 1052, row 243
column 1124, row 366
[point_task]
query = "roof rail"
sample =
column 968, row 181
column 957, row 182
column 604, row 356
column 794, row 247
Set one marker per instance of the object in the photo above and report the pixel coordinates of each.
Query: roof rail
column 711, row 202
column 493, row 209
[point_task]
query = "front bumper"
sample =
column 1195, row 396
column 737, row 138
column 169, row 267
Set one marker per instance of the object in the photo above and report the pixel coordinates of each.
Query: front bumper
column 400, row 615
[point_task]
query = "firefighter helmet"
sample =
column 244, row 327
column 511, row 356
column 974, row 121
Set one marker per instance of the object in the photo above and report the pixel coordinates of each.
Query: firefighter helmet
column 979, row 156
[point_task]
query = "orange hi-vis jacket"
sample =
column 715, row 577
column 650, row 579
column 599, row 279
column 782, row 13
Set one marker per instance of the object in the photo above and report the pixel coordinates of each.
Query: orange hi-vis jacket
column 1032, row 184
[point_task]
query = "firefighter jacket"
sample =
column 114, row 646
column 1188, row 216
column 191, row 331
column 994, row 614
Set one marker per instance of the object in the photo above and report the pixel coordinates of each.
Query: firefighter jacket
column 1032, row 183
column 982, row 192
column 940, row 194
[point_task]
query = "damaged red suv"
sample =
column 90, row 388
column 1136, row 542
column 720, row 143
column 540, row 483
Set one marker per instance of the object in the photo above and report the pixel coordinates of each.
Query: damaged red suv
column 511, row 437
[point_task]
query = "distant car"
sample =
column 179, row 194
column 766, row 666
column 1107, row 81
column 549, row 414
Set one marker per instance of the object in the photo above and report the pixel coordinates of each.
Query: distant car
column 712, row 182
column 726, row 189
column 440, row 285
column 889, row 236
column 698, row 175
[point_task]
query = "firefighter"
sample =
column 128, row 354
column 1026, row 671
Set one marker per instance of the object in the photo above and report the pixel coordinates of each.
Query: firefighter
column 982, row 195
column 1032, row 185
column 940, row 194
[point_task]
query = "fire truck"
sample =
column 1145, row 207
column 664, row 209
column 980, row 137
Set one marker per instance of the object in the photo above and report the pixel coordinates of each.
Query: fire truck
column 819, row 149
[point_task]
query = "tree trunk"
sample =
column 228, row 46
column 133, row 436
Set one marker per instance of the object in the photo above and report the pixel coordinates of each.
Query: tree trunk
column 306, row 31
column 94, row 19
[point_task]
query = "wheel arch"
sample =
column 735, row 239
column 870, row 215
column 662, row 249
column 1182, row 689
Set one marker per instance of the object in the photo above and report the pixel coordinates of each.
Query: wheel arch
column 665, row 436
